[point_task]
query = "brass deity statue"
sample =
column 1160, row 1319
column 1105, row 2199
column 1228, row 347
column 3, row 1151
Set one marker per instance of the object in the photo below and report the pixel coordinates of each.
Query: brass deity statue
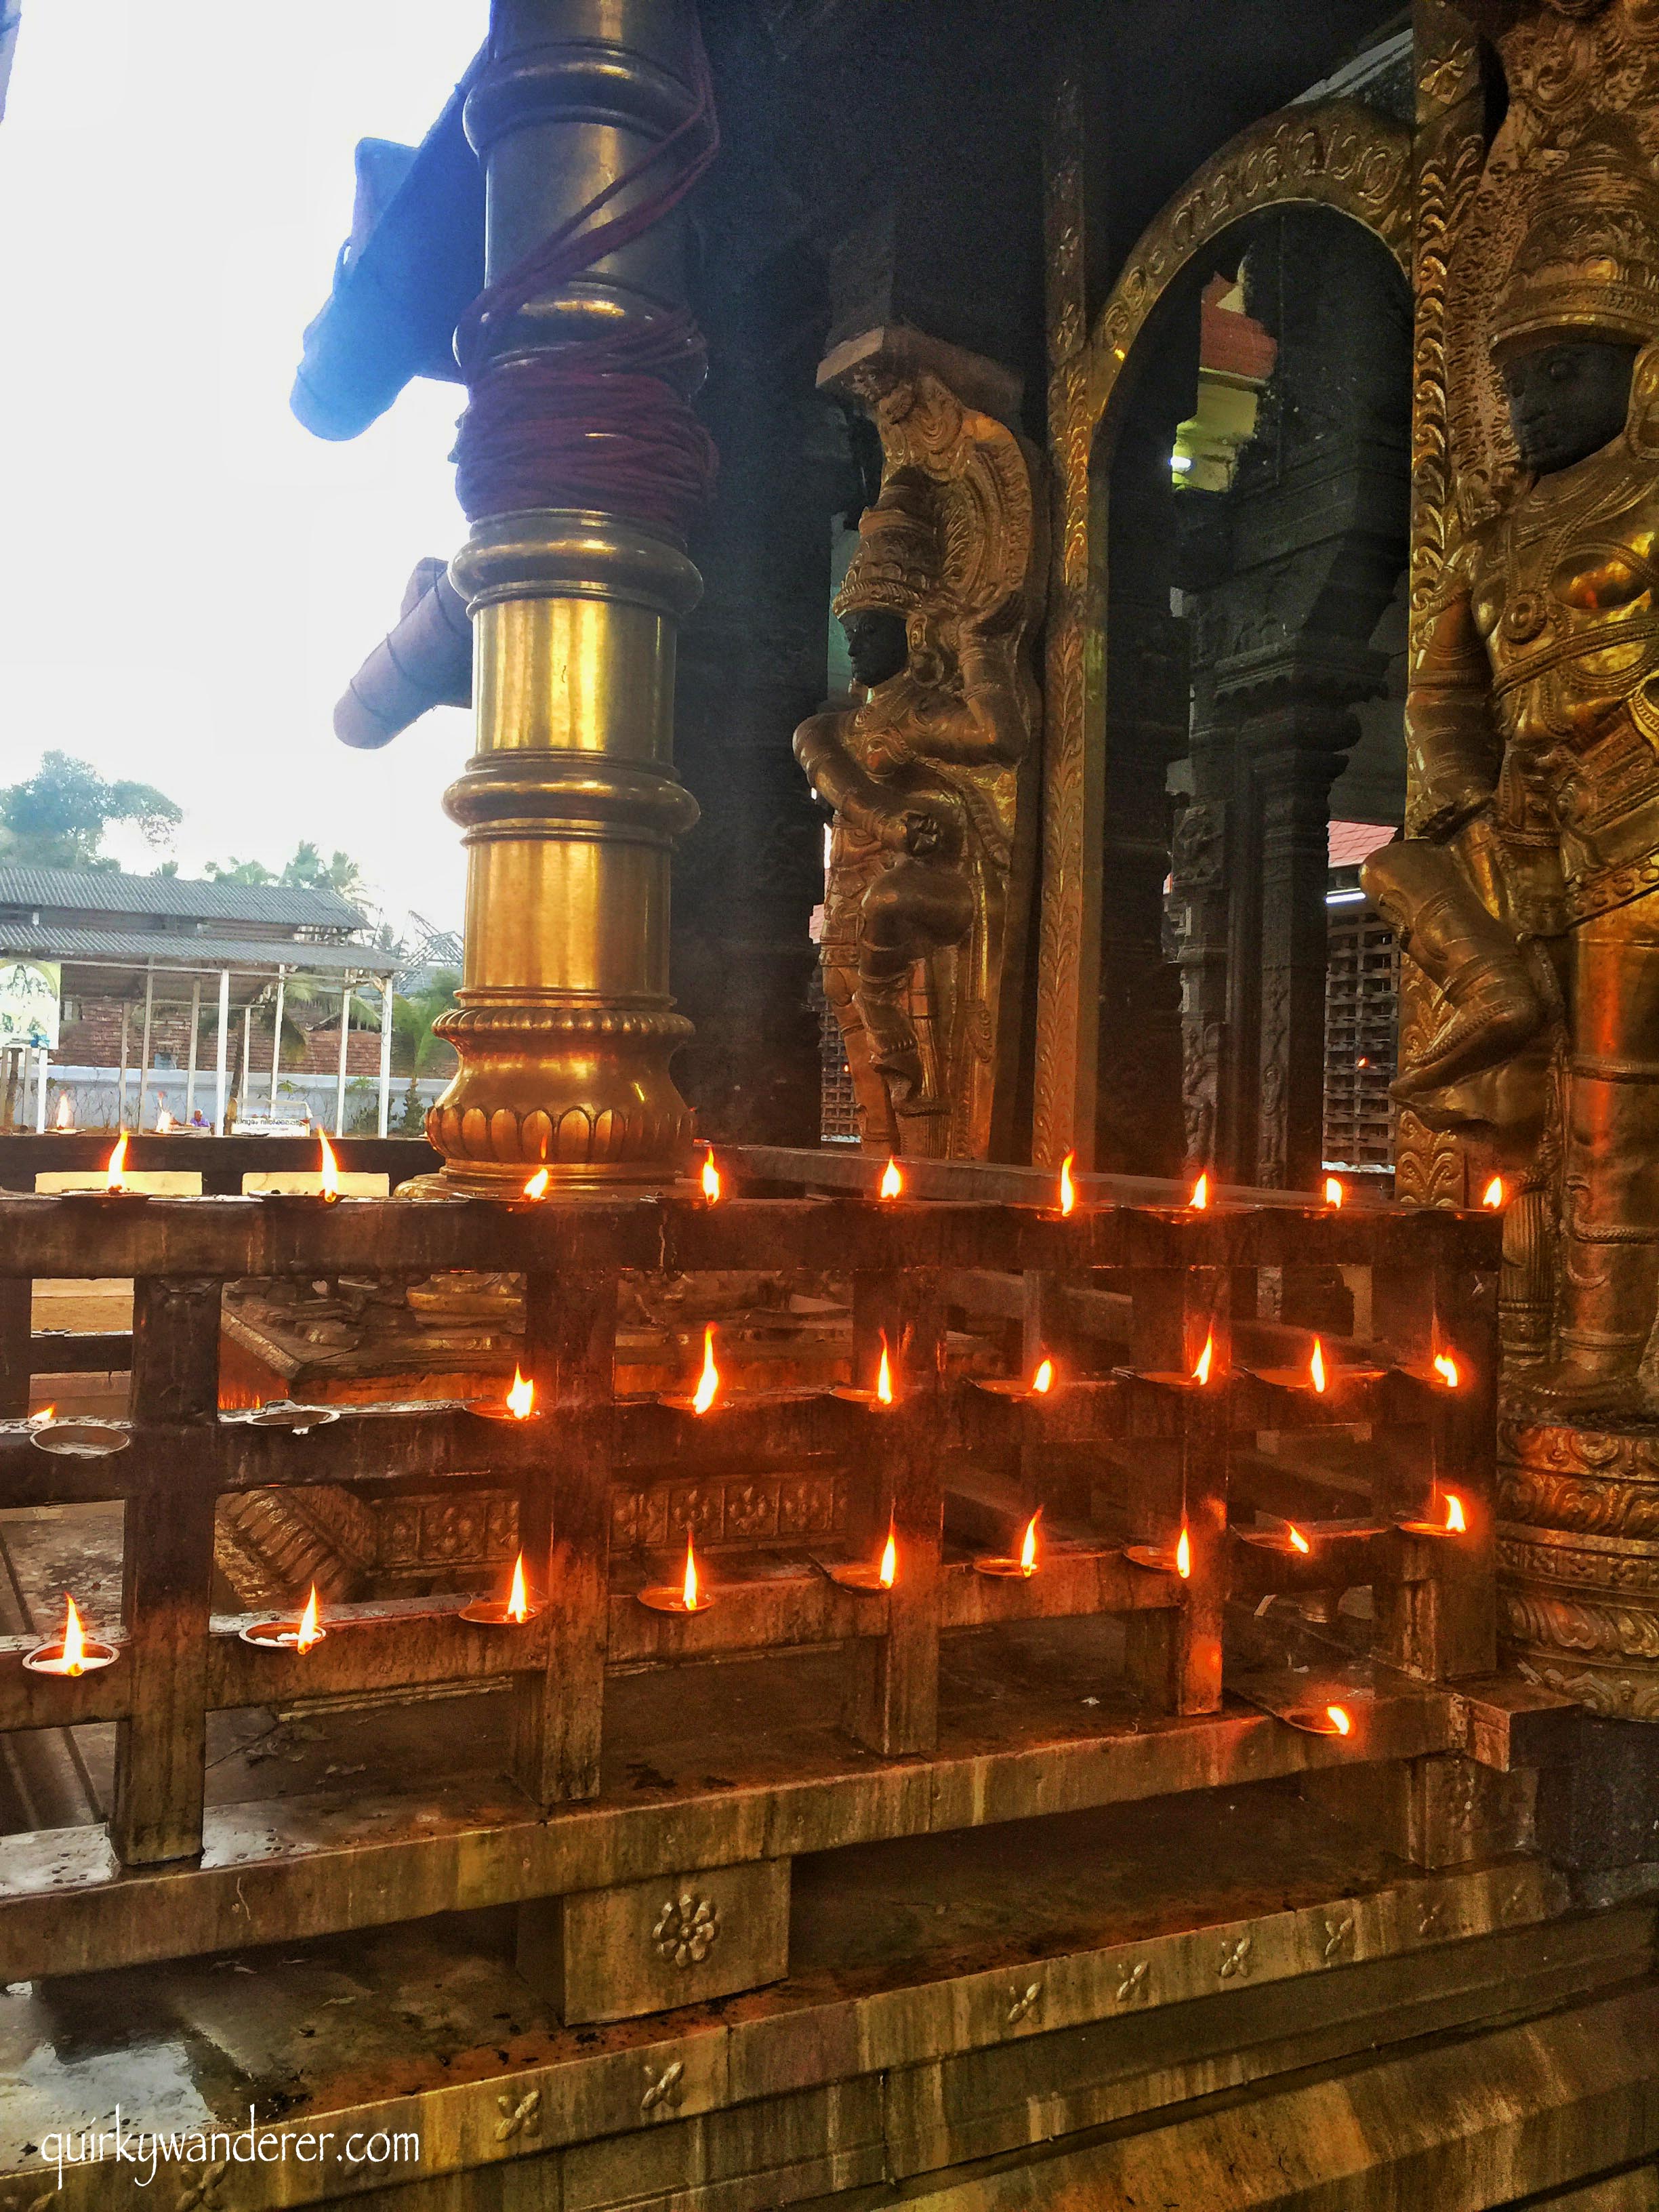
column 1528, row 890
column 931, row 853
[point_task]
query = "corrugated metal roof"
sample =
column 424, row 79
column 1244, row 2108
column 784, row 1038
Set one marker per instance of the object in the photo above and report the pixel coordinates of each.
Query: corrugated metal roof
column 107, row 891
column 113, row 948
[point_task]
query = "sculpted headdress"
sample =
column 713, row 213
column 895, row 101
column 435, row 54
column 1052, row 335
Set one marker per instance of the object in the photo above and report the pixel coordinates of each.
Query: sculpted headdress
column 1587, row 262
column 896, row 566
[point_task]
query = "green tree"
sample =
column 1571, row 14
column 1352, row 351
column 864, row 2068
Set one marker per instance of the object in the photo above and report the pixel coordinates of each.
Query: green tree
column 414, row 1048
column 307, row 870
column 238, row 872
column 57, row 817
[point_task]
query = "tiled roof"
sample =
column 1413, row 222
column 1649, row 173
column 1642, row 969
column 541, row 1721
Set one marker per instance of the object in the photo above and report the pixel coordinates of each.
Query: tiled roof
column 113, row 948
column 1354, row 842
column 107, row 891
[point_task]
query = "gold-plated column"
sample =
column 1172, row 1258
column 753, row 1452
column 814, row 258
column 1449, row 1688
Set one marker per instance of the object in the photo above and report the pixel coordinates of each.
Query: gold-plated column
column 569, row 805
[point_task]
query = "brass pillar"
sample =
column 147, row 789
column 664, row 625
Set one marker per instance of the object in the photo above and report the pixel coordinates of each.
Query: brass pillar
column 569, row 803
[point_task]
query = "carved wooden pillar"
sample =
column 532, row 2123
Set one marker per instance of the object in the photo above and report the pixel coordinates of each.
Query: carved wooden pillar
column 1200, row 910
column 1138, row 1125
column 1291, row 748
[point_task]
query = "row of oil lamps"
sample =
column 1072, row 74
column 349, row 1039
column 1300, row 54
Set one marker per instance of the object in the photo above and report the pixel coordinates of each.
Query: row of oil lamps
column 890, row 1186
column 73, row 1652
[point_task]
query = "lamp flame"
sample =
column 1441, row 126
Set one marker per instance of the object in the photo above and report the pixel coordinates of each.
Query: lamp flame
column 75, row 1642
column 1028, row 1546
column 1332, row 1191
column 892, row 1182
column 688, row 1588
column 884, row 1375
column 709, row 1381
column 1340, row 1719
column 1446, row 1368
column 115, row 1173
column 164, row 1123
column 711, row 1177
column 887, row 1575
column 522, row 1398
column 1044, row 1381
column 518, row 1602
column 1067, row 1187
column 1200, row 1197
column 1316, row 1365
column 1184, row 1554
column 330, row 1169
column 309, row 1630
column 1455, row 1521
column 1493, row 1193
column 1298, row 1542
column 64, row 1117
column 1206, row 1359
column 537, row 1186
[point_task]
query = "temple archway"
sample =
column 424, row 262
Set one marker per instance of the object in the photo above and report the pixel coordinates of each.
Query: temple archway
column 1337, row 155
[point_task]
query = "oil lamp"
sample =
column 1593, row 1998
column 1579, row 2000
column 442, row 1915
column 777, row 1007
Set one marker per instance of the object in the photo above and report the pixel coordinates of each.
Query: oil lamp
column 1287, row 1539
column 1025, row 1565
column 63, row 1120
column 115, row 1168
column 518, row 1404
column 330, row 1171
column 294, row 1421
column 1317, row 1720
column 1044, row 1381
column 709, row 1381
column 1067, row 1187
column 511, row 1612
column 1455, row 1522
column 1163, row 1559
column 1494, row 1195
column 1317, row 1366
column 711, row 1177
column 1446, row 1368
column 1200, row 1197
column 537, row 1186
column 78, row 1439
column 885, row 1390
column 892, row 1182
column 1332, row 1191
column 859, row 1575
column 295, row 1635
column 1206, row 1359
column 73, row 1652
column 687, row 1595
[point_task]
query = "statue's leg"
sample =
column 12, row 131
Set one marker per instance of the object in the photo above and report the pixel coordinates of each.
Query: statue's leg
column 877, row 1127
column 911, row 909
column 1609, row 1283
column 1421, row 891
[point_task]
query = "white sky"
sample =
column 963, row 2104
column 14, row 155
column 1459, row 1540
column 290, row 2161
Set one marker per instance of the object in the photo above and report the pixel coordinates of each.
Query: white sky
column 187, row 577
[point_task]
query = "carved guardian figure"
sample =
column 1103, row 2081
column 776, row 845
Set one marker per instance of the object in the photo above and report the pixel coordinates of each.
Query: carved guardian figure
column 929, row 875
column 1528, row 891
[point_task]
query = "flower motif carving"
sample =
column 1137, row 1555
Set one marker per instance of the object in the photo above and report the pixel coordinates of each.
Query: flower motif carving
column 686, row 1930
column 1235, row 1958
